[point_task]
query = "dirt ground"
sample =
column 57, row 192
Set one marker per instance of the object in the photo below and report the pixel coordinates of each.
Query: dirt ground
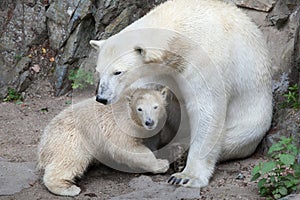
column 21, row 126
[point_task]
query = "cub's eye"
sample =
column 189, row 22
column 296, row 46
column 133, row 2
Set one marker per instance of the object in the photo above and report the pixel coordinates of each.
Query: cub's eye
column 140, row 110
column 117, row 73
column 155, row 107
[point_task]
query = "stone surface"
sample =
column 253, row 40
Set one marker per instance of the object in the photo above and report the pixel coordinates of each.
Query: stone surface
column 281, row 12
column 77, row 48
column 296, row 56
column 260, row 5
column 287, row 124
column 63, row 17
column 291, row 197
column 16, row 176
column 145, row 188
column 72, row 24
column 22, row 25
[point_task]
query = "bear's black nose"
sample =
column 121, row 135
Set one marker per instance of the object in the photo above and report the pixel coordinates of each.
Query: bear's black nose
column 149, row 123
column 100, row 100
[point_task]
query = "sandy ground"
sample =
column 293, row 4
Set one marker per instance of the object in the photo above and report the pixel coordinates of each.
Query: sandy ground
column 21, row 126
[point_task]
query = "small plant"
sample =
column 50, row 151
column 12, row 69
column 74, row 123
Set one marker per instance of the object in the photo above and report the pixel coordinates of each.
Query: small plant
column 280, row 176
column 12, row 95
column 68, row 102
column 292, row 97
column 18, row 57
column 80, row 78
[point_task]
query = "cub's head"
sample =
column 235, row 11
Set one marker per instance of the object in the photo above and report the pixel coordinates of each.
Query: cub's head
column 148, row 107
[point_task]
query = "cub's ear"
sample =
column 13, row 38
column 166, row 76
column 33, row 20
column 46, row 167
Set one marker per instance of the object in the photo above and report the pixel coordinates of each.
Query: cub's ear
column 128, row 98
column 97, row 44
column 150, row 55
column 165, row 92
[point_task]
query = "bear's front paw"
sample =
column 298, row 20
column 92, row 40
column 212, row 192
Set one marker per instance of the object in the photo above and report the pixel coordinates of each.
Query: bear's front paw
column 187, row 180
column 162, row 166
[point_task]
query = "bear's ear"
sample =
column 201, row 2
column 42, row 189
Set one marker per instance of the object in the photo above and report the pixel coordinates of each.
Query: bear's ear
column 97, row 44
column 128, row 98
column 164, row 92
column 149, row 55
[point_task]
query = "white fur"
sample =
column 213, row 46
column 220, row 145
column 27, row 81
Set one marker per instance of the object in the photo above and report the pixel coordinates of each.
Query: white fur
column 224, row 78
column 89, row 130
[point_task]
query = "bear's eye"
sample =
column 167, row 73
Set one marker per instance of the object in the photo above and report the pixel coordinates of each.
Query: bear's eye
column 117, row 73
column 155, row 107
column 140, row 110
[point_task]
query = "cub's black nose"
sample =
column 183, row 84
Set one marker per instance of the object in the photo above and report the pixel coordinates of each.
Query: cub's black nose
column 149, row 123
column 100, row 100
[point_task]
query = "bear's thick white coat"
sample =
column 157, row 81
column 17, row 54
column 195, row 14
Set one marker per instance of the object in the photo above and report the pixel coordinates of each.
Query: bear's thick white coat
column 220, row 62
column 88, row 130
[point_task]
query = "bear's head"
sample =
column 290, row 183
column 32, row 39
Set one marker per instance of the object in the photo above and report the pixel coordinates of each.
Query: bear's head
column 125, row 58
column 148, row 107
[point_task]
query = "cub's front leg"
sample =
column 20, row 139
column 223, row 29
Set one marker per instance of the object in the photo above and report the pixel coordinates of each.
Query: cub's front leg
column 140, row 157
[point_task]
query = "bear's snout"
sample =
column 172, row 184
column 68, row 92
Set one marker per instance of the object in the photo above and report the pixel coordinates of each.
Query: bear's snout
column 149, row 123
column 101, row 100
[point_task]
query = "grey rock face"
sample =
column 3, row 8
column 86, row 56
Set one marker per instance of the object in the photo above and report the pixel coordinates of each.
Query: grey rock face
column 22, row 25
column 64, row 17
column 260, row 5
column 72, row 24
column 287, row 124
column 281, row 12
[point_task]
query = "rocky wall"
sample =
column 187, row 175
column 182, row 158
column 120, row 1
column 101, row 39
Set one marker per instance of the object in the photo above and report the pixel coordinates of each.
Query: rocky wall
column 54, row 35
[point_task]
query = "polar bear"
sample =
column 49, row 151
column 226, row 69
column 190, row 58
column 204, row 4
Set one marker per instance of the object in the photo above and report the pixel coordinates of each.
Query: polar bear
column 89, row 130
column 220, row 62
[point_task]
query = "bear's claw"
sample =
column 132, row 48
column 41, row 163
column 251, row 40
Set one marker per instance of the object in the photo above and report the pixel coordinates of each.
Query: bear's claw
column 186, row 180
column 176, row 181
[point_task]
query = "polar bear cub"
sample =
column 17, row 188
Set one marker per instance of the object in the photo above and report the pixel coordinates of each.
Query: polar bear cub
column 89, row 130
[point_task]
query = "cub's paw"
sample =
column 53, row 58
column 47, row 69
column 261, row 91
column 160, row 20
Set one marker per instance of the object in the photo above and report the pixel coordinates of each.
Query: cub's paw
column 162, row 166
column 71, row 191
column 187, row 180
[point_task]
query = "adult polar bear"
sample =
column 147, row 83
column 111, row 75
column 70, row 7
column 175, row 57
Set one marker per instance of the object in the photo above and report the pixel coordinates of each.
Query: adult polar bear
column 220, row 62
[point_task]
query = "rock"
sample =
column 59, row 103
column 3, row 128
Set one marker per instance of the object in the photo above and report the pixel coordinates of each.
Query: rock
column 295, row 74
column 260, row 5
column 291, row 197
column 77, row 48
column 297, row 45
column 287, row 56
column 23, row 24
column 69, row 21
column 287, row 124
column 145, row 188
column 296, row 56
column 63, row 17
column 120, row 22
column 23, row 75
column 280, row 38
column 280, row 14
column 16, row 176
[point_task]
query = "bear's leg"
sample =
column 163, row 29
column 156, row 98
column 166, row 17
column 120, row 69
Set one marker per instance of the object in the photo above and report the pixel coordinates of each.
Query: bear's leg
column 140, row 157
column 243, row 135
column 205, row 145
column 59, row 178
